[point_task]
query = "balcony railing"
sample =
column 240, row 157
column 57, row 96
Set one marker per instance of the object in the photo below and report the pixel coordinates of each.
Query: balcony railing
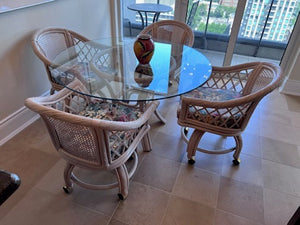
column 253, row 40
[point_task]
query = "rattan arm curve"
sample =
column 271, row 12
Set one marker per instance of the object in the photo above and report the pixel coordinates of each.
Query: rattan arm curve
column 226, row 69
column 240, row 73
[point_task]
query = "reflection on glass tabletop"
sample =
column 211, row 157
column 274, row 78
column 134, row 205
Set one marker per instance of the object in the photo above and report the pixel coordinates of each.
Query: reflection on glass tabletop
column 109, row 69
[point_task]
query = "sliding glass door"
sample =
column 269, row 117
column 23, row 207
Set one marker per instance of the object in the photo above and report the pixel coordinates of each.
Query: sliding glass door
column 266, row 28
column 228, row 31
column 231, row 31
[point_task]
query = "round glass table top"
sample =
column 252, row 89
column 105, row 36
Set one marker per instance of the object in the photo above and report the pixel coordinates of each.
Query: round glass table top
column 150, row 7
column 110, row 70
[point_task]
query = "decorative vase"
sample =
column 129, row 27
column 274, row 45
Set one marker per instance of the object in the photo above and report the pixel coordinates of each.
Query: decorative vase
column 143, row 75
column 143, row 48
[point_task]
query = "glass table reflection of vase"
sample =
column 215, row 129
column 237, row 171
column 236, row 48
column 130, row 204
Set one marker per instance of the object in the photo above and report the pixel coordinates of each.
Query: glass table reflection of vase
column 143, row 75
column 143, row 48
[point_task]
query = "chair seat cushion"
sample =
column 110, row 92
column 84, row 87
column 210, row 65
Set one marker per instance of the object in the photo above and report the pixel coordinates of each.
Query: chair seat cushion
column 224, row 117
column 213, row 94
column 110, row 111
column 68, row 76
column 119, row 141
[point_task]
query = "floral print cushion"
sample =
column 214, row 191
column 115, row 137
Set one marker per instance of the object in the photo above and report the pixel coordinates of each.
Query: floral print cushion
column 119, row 141
column 213, row 94
column 225, row 117
column 110, row 111
column 67, row 76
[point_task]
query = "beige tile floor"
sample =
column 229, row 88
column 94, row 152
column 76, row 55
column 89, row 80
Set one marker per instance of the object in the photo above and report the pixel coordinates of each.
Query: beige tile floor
column 263, row 189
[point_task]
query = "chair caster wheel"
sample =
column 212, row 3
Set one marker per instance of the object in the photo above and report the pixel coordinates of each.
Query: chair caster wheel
column 185, row 131
column 121, row 197
column 67, row 190
column 191, row 161
column 236, row 162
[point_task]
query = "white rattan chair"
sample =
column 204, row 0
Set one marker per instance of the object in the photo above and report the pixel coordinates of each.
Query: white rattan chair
column 94, row 134
column 170, row 31
column 49, row 42
column 224, row 104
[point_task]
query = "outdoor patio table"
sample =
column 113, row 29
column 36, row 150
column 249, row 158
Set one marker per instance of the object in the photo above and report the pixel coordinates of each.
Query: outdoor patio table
column 149, row 8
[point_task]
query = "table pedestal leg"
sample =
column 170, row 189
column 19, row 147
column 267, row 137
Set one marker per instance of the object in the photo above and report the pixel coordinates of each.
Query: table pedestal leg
column 143, row 25
column 160, row 117
column 146, row 19
column 155, row 17
column 142, row 106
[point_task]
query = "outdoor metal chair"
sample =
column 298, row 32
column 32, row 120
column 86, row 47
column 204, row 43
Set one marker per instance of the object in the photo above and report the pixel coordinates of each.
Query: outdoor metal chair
column 190, row 19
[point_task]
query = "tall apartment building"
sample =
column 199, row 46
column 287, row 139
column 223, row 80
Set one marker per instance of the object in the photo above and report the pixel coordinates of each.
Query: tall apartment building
column 272, row 17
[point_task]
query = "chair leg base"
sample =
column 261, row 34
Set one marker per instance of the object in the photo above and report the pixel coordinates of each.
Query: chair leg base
column 185, row 130
column 68, row 190
column 236, row 162
column 195, row 138
column 192, row 160
column 121, row 197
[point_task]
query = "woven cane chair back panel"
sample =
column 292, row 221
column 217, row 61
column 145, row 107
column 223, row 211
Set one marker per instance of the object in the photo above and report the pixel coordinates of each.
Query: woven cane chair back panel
column 76, row 140
column 51, row 44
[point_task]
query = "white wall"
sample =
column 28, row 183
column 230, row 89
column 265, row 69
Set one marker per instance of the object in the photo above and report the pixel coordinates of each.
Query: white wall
column 290, row 63
column 292, row 84
column 21, row 73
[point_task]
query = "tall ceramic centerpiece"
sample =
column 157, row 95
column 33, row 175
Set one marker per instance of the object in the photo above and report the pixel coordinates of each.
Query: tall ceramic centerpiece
column 143, row 48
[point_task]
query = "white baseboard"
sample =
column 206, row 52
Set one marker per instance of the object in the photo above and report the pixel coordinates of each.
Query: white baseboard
column 16, row 122
column 291, row 87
